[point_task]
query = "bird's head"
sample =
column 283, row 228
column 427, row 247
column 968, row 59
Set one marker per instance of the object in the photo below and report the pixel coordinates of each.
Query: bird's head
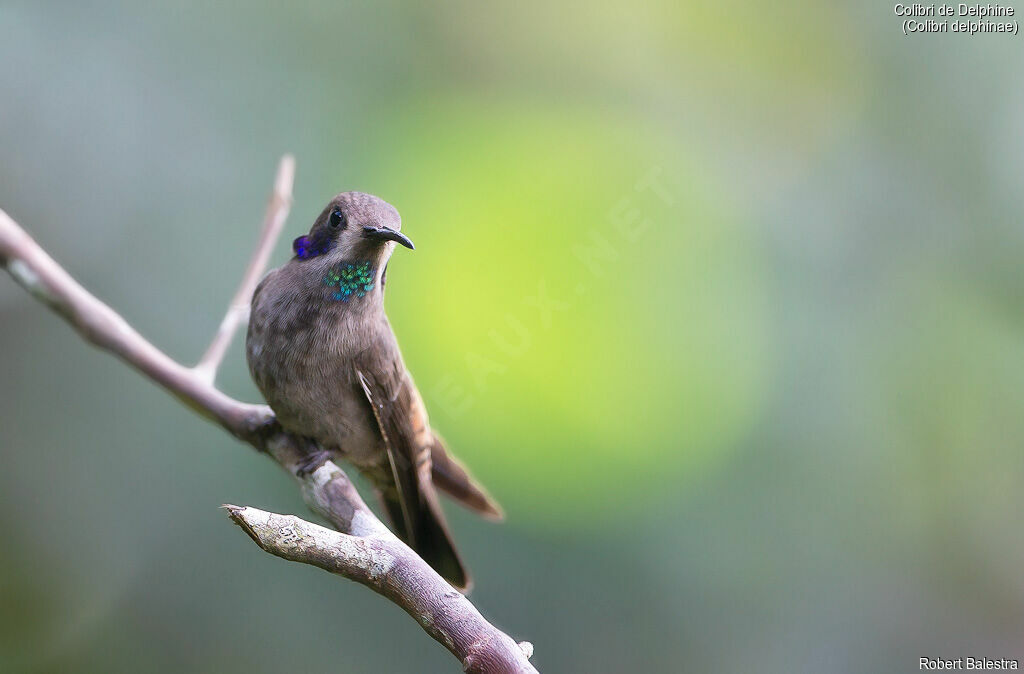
column 354, row 227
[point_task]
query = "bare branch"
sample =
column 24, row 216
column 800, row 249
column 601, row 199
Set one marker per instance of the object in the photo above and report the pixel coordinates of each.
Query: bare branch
column 364, row 550
column 389, row 567
column 100, row 325
column 238, row 311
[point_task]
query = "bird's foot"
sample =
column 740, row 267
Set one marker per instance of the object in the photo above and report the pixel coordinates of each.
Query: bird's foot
column 309, row 463
column 260, row 430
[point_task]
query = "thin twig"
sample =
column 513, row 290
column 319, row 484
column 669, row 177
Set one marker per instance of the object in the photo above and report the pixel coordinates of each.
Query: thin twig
column 238, row 311
column 364, row 550
column 100, row 325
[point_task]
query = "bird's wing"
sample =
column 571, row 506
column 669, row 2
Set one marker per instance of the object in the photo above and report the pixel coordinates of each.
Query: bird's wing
column 402, row 454
column 447, row 472
column 414, row 508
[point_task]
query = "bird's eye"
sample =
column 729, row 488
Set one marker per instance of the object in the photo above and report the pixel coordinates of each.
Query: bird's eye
column 336, row 219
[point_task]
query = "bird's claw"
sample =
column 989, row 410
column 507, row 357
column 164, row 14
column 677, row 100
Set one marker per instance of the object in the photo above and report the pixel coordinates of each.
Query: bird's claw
column 308, row 464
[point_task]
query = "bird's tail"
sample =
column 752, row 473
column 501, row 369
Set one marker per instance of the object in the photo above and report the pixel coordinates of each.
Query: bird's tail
column 429, row 536
column 451, row 477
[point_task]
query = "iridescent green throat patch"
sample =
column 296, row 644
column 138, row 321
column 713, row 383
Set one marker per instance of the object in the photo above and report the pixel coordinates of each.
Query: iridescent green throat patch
column 350, row 280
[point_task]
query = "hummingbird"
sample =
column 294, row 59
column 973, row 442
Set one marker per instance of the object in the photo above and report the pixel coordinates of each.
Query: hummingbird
column 323, row 354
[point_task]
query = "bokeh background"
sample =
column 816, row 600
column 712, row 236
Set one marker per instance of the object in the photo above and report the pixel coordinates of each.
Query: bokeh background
column 722, row 300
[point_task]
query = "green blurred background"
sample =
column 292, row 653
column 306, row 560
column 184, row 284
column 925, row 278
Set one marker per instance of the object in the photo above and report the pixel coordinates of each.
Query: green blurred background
column 722, row 300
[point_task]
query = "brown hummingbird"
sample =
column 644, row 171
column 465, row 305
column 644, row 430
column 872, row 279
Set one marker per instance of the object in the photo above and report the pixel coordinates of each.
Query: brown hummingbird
column 323, row 354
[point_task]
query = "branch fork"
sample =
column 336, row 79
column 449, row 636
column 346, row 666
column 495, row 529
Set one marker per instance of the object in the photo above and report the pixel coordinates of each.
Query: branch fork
column 359, row 547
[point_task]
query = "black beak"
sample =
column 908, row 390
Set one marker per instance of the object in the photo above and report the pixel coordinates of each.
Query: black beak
column 386, row 234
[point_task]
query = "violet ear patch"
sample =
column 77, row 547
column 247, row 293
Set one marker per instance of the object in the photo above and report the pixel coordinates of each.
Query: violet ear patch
column 302, row 248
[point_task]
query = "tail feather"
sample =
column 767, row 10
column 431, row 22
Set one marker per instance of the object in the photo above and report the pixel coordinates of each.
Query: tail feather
column 451, row 477
column 430, row 539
